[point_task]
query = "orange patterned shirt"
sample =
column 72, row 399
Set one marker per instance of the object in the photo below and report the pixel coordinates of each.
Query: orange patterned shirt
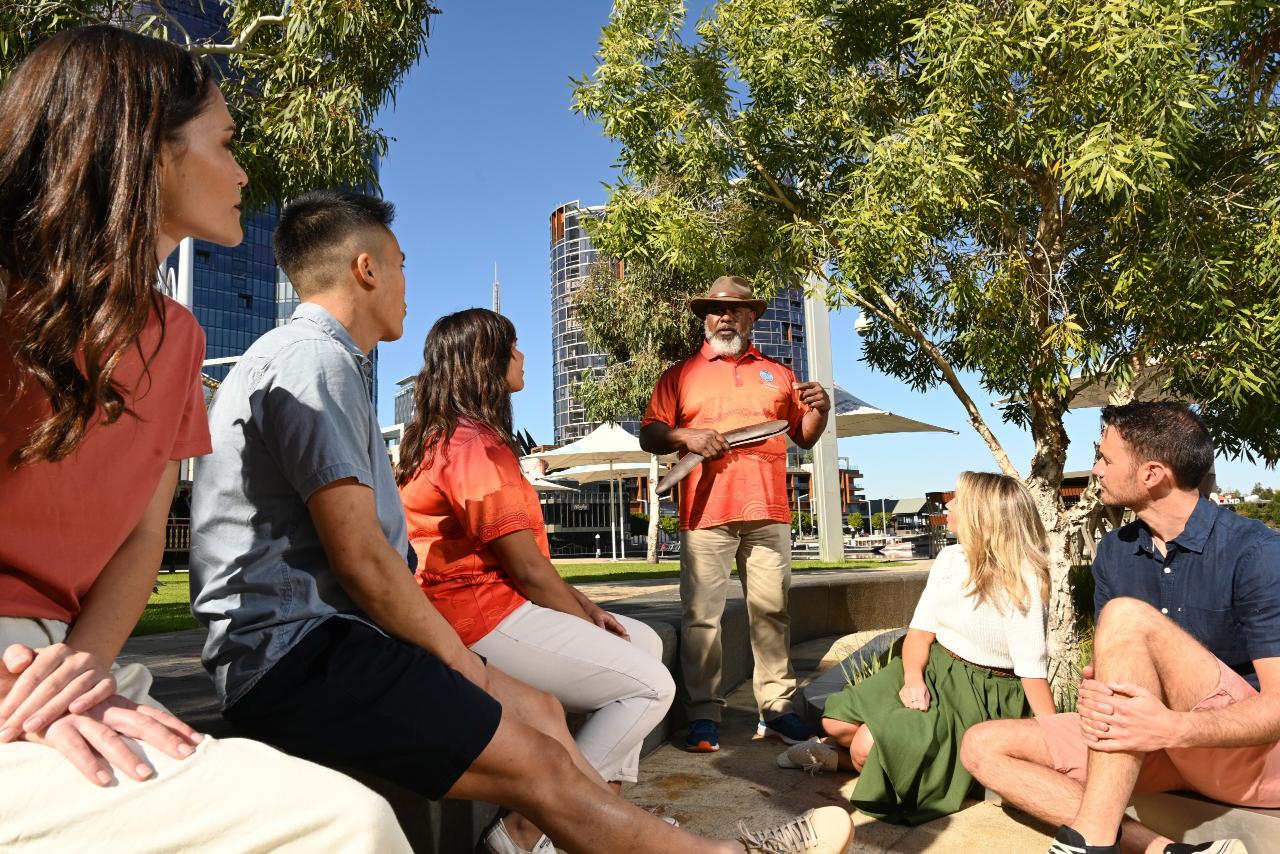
column 472, row 493
column 710, row 392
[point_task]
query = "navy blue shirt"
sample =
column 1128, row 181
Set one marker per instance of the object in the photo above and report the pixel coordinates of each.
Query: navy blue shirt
column 1219, row 581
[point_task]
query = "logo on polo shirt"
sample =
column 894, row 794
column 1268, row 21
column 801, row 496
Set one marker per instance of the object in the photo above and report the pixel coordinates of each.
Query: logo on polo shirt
column 766, row 376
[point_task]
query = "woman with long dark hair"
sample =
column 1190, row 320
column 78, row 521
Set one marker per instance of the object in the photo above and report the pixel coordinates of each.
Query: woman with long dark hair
column 975, row 650
column 483, row 558
column 113, row 148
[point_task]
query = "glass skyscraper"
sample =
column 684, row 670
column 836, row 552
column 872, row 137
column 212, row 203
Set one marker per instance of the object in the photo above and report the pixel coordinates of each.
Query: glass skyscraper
column 237, row 293
column 779, row 333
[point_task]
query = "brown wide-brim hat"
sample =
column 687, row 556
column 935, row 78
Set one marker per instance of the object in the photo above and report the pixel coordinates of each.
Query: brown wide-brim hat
column 728, row 289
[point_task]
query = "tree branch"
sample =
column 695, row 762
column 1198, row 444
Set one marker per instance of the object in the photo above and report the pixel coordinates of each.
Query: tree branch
column 891, row 312
column 168, row 16
column 247, row 33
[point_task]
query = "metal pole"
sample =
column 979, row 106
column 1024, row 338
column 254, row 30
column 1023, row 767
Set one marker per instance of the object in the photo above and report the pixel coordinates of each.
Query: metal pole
column 186, row 266
column 624, row 519
column 824, row 482
column 613, row 516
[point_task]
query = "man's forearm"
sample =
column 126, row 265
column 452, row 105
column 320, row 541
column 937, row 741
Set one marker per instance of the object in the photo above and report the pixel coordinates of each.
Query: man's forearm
column 659, row 438
column 1252, row 721
column 811, row 427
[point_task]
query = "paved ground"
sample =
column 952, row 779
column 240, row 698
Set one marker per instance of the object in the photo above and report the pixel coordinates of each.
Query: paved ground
column 705, row 793
column 710, row 793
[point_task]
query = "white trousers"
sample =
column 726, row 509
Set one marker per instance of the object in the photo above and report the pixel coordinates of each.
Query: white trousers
column 230, row 795
column 623, row 685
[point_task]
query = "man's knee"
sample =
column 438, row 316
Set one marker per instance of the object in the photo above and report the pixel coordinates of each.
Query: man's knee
column 983, row 743
column 1124, row 621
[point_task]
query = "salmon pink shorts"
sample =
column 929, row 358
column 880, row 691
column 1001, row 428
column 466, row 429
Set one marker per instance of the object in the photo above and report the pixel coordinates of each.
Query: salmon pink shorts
column 1243, row 776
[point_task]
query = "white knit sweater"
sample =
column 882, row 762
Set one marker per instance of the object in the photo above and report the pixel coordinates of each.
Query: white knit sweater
column 977, row 633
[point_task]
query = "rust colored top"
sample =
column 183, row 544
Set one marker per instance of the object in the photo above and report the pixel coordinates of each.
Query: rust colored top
column 61, row 522
column 710, row 392
column 472, row 493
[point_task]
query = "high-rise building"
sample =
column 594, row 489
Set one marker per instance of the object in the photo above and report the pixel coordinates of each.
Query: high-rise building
column 237, row 293
column 779, row 333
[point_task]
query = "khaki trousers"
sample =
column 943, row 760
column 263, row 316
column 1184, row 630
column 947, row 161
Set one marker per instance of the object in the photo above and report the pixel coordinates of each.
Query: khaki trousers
column 762, row 552
column 230, row 795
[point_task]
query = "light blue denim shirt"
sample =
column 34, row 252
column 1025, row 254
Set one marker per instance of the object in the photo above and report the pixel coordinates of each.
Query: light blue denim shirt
column 293, row 415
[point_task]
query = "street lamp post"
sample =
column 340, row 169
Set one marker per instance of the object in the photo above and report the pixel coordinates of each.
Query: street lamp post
column 884, row 519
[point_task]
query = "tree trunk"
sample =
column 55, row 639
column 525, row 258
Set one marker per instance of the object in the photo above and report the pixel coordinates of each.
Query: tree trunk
column 655, row 510
column 1045, row 486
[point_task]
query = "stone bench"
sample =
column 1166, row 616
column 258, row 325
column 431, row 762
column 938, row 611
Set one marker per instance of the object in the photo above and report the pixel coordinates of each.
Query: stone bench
column 1188, row 817
column 823, row 604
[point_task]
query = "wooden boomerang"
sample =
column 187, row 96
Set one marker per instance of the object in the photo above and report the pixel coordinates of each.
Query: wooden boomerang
column 736, row 438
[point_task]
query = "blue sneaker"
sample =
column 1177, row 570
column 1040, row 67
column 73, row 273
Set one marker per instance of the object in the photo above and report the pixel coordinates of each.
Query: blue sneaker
column 703, row 737
column 789, row 728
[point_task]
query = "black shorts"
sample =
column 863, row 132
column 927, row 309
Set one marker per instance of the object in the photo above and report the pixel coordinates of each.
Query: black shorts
column 351, row 698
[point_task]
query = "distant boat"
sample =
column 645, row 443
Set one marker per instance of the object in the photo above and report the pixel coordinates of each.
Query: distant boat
column 899, row 549
column 868, row 544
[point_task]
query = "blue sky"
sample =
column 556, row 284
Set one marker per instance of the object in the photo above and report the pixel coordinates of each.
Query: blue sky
column 485, row 146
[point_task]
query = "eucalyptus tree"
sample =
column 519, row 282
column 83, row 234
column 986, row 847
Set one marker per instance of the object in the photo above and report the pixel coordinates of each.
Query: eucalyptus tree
column 1050, row 194
column 304, row 78
column 640, row 323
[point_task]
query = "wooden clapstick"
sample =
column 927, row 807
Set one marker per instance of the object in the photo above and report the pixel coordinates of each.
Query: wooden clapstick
column 736, row 439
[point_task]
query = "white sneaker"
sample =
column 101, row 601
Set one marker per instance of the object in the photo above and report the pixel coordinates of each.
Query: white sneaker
column 496, row 841
column 813, row 756
column 826, row 830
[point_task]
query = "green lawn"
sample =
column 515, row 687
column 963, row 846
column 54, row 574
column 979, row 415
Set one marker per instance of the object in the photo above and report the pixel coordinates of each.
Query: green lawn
column 170, row 609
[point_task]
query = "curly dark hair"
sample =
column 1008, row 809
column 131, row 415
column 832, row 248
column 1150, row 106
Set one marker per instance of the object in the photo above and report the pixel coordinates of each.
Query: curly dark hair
column 82, row 123
column 464, row 375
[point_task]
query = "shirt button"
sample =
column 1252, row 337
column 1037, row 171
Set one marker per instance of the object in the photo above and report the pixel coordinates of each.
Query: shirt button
column 1167, row 570
column 1164, row 610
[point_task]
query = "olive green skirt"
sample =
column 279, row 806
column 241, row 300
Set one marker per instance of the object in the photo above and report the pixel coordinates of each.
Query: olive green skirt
column 913, row 773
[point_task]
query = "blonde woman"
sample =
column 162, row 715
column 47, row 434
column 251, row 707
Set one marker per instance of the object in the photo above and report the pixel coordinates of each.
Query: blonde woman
column 975, row 650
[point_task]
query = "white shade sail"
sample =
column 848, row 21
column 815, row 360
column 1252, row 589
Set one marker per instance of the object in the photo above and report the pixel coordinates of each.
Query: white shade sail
column 856, row 417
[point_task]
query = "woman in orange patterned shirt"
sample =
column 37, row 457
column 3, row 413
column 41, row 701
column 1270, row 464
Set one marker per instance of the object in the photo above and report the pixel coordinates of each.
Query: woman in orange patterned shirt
column 476, row 526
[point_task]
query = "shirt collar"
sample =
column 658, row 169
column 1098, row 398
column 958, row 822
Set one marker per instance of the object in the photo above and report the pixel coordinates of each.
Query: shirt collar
column 1193, row 535
column 710, row 355
column 321, row 317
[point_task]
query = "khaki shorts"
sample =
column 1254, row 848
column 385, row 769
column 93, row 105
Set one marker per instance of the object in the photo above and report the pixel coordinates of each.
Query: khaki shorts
column 1244, row 776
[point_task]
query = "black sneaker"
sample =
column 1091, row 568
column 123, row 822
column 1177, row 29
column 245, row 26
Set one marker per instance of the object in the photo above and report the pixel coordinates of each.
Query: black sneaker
column 789, row 728
column 1068, row 841
column 1218, row 846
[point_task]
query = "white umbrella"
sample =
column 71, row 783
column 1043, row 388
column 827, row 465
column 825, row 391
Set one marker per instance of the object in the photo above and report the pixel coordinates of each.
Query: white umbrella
column 856, row 417
column 596, row 473
column 535, row 472
column 609, row 445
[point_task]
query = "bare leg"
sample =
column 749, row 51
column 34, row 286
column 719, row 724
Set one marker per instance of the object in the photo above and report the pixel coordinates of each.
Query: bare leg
column 860, row 747
column 842, row 734
column 1011, row 757
column 531, row 772
column 542, row 712
column 1137, row 645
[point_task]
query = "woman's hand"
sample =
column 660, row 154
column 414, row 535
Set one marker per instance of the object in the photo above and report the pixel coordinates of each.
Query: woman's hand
column 915, row 694
column 94, row 742
column 50, row 682
column 607, row 621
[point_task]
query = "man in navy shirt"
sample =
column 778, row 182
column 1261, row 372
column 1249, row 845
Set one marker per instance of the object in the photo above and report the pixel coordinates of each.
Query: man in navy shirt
column 1184, row 690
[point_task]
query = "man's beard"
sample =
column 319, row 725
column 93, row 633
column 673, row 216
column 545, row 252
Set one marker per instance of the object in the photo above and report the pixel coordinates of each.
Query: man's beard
column 732, row 347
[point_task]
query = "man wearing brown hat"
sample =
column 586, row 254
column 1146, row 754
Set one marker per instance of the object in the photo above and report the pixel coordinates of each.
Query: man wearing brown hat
column 734, row 507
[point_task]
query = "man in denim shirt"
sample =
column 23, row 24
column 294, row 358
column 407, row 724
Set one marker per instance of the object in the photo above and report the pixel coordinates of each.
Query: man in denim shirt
column 1184, row 690
column 320, row 641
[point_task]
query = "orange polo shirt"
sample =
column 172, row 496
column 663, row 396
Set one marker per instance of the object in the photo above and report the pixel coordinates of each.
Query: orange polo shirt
column 61, row 522
column 472, row 493
column 710, row 392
